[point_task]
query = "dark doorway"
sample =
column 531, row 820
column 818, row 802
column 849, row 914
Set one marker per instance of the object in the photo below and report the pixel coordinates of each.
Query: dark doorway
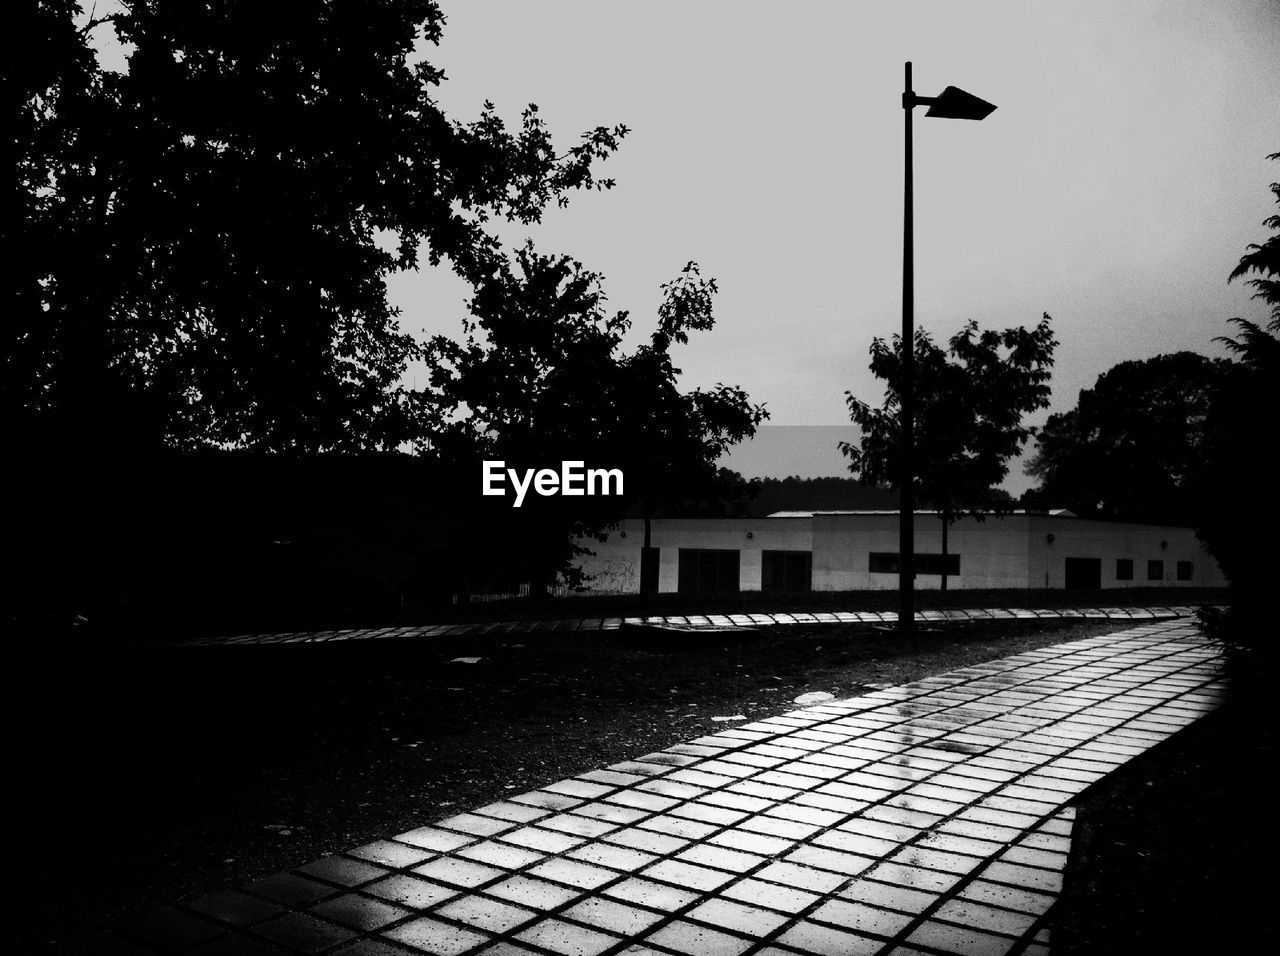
column 1084, row 574
column 649, row 570
column 708, row 571
column 786, row 571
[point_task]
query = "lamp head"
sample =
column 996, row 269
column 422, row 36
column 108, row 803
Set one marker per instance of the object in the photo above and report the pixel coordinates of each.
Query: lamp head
column 955, row 103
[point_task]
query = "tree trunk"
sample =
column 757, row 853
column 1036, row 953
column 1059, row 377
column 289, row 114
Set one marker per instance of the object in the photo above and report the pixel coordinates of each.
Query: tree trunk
column 644, row 559
column 946, row 521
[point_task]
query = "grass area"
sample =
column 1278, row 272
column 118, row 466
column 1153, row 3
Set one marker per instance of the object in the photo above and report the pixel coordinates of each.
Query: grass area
column 154, row 774
column 759, row 602
column 1172, row 853
column 227, row 621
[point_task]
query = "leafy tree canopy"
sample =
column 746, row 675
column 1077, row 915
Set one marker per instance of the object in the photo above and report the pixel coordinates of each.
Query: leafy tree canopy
column 970, row 399
column 1131, row 447
column 541, row 377
column 202, row 242
column 1237, row 517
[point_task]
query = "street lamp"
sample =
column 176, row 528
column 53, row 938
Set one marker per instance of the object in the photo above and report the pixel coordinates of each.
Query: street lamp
column 951, row 103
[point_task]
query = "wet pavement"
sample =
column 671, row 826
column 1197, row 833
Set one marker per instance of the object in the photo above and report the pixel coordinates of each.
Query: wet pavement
column 932, row 817
column 699, row 621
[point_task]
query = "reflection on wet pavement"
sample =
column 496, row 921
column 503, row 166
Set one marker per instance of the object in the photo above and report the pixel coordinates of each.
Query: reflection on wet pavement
column 932, row 817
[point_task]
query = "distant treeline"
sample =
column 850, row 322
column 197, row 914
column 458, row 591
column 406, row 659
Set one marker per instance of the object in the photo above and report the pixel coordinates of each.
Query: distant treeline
column 818, row 494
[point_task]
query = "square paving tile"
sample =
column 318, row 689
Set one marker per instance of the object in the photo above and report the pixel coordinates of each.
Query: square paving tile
column 431, row 838
column 548, row 841
column 913, row 877
column 651, row 841
column 344, row 872
column 171, row 930
column 235, row 908
column 615, row 857
column 751, row 920
column 827, row 941
column 465, row 873
column 647, row 893
column 513, row 812
column 537, row 894
column 391, row 853
column 486, row 914
column 960, row 940
column 291, row 890
column 574, row 873
column 502, row 855
column 801, row 877
column 477, row 824
column 785, row 899
column 303, row 933
column 577, row 825
column 680, row 826
column 984, row 917
column 687, row 875
column 846, row 864
column 360, row 912
column 862, row 918
column 1009, row 897
column 410, row 891
column 705, row 854
column 695, row 940
column 436, row 937
column 567, row 939
column 1024, row 877
column 613, row 916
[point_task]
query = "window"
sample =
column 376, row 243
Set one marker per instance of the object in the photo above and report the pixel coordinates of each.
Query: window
column 786, row 570
column 1185, row 571
column 886, row 562
column 1155, row 570
column 1124, row 569
column 708, row 571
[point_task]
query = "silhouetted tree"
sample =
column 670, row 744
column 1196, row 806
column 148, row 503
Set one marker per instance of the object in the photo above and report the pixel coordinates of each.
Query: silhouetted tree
column 970, row 400
column 202, row 242
column 541, row 377
column 1238, row 519
column 1131, row 447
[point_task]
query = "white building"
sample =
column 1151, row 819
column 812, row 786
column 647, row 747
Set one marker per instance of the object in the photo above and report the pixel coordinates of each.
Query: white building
column 858, row 550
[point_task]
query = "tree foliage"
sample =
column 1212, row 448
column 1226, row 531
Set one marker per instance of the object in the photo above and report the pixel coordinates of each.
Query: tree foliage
column 970, row 399
column 542, row 376
column 1132, row 446
column 203, row 241
column 1238, row 519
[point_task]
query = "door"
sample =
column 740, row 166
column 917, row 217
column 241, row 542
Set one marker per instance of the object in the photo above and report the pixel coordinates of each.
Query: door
column 1084, row 574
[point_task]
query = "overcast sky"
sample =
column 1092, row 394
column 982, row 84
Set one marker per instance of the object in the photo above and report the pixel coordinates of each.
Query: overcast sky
column 1115, row 187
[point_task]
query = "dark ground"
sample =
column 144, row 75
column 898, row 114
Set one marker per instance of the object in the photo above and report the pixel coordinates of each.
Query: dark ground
column 151, row 775
column 759, row 602
column 1174, row 853
column 311, row 613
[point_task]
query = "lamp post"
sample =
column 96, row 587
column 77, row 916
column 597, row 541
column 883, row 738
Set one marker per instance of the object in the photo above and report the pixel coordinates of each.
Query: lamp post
column 951, row 103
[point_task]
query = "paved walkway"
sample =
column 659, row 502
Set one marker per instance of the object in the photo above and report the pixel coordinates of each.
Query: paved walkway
column 698, row 621
column 927, row 818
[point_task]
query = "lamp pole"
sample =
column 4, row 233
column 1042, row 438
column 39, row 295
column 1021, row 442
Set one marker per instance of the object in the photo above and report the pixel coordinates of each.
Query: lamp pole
column 906, row 469
column 951, row 103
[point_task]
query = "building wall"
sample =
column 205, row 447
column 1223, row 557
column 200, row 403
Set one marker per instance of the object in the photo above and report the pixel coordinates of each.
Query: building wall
column 616, row 562
column 1110, row 541
column 993, row 553
column 1014, row 551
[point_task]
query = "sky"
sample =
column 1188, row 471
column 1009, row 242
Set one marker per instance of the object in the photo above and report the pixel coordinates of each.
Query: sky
column 1115, row 187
